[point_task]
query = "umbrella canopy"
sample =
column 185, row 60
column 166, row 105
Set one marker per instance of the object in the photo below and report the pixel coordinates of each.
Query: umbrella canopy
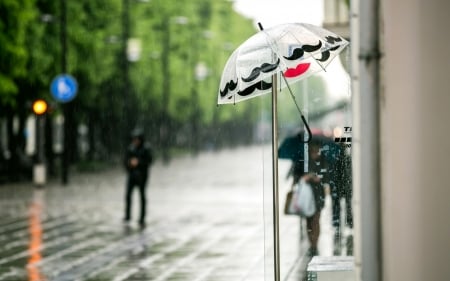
column 293, row 147
column 296, row 50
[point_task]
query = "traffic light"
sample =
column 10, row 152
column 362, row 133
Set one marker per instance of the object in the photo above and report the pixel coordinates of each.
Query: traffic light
column 40, row 107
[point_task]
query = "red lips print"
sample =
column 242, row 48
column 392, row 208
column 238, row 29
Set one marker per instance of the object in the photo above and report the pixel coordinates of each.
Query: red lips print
column 297, row 71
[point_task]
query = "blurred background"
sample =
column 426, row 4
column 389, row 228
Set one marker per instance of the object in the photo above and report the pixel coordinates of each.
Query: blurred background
column 149, row 64
column 153, row 64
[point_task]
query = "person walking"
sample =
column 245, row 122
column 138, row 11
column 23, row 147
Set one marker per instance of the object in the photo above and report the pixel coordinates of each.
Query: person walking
column 138, row 159
column 317, row 176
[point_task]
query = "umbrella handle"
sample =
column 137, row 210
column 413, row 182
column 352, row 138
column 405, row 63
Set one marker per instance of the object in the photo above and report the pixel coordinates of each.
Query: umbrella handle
column 308, row 129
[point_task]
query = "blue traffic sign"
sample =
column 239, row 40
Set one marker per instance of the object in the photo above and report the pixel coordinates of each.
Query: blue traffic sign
column 64, row 88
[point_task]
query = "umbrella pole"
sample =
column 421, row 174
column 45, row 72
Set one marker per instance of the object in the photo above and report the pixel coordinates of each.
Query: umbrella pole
column 276, row 227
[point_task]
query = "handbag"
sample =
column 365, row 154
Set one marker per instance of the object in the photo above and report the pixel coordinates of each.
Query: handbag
column 288, row 210
column 300, row 200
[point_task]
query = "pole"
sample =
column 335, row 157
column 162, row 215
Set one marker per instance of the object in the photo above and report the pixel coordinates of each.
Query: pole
column 66, row 110
column 276, row 216
column 195, row 114
column 305, row 137
column 39, row 169
column 165, row 65
column 276, row 227
column 125, row 65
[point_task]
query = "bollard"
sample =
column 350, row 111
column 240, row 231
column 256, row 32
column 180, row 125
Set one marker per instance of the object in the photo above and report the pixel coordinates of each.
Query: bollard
column 39, row 174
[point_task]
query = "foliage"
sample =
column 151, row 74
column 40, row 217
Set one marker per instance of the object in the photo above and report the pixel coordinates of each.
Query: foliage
column 200, row 31
column 15, row 16
column 175, row 37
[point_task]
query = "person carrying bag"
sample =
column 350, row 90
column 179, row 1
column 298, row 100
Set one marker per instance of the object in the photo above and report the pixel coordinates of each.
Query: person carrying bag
column 307, row 195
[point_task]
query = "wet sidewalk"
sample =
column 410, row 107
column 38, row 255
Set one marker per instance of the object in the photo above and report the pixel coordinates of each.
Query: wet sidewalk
column 201, row 225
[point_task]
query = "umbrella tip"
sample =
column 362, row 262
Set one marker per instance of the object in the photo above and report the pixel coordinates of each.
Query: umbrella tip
column 260, row 26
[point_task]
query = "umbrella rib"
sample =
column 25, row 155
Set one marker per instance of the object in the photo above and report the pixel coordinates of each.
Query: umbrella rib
column 298, row 107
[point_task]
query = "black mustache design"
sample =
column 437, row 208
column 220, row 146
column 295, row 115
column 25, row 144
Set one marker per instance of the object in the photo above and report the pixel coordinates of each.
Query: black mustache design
column 229, row 86
column 257, row 86
column 334, row 48
column 326, row 54
column 332, row 39
column 299, row 52
column 265, row 67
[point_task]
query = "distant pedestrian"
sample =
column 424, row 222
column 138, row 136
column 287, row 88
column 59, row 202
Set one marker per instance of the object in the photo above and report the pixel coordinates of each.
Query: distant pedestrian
column 341, row 187
column 138, row 159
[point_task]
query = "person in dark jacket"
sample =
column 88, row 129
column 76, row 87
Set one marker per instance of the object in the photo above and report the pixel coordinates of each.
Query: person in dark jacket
column 341, row 187
column 138, row 159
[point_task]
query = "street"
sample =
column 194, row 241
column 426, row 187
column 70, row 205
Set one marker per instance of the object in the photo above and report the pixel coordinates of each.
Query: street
column 206, row 221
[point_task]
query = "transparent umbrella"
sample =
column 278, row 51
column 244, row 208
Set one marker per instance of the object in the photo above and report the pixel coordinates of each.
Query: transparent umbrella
column 293, row 50
column 296, row 50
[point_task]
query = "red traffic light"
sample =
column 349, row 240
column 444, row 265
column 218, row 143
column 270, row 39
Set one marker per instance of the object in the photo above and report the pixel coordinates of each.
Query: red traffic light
column 40, row 106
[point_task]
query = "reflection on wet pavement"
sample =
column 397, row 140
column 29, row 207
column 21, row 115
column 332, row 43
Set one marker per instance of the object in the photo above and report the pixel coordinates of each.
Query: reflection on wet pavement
column 205, row 222
column 35, row 243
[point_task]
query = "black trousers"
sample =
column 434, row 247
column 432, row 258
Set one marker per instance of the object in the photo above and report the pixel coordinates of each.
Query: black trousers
column 141, row 185
column 336, row 195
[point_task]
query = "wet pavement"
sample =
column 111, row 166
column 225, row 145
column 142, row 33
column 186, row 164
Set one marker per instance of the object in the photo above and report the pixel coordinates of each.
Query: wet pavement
column 205, row 222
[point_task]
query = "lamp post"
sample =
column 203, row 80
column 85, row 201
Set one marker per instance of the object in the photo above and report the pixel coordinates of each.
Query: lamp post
column 166, row 87
column 200, row 73
column 125, row 64
column 163, row 131
column 39, row 170
column 130, row 52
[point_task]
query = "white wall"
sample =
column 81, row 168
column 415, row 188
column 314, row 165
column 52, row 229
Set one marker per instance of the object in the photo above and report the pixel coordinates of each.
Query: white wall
column 415, row 140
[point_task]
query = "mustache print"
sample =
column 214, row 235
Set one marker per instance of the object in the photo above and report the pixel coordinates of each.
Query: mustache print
column 334, row 48
column 229, row 86
column 257, row 86
column 327, row 53
column 265, row 67
column 300, row 69
column 299, row 52
column 332, row 39
column 325, row 56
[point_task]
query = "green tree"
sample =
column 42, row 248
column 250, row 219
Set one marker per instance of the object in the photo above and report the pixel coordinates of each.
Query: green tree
column 163, row 81
column 15, row 16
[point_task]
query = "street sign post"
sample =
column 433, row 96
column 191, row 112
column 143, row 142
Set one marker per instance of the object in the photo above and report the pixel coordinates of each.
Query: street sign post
column 64, row 88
